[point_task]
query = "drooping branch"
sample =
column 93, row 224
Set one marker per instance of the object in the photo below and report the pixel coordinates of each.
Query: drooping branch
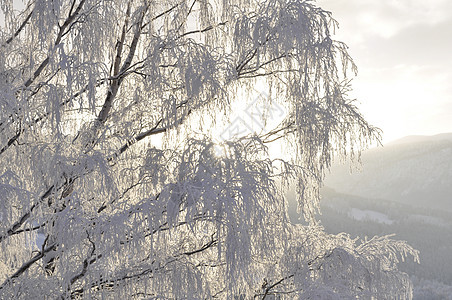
column 86, row 262
column 60, row 35
column 27, row 265
column 267, row 288
column 44, row 63
column 144, row 273
column 8, row 41
column 14, row 229
column 114, row 86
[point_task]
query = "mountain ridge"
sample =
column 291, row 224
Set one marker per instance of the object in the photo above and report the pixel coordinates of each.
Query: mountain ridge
column 421, row 138
column 414, row 169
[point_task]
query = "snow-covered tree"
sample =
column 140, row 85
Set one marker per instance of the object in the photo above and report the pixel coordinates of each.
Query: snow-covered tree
column 112, row 180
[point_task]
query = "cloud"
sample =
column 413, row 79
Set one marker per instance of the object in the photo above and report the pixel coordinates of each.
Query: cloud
column 386, row 18
column 418, row 44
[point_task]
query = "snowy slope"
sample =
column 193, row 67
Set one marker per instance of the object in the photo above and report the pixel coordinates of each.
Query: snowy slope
column 371, row 215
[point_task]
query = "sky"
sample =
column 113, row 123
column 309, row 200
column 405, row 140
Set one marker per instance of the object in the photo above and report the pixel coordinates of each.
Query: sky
column 403, row 50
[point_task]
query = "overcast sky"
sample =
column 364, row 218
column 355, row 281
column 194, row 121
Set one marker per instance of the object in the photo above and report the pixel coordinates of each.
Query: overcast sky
column 403, row 49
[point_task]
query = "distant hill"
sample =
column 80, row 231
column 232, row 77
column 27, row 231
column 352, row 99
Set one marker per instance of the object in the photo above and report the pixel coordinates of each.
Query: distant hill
column 422, row 138
column 415, row 170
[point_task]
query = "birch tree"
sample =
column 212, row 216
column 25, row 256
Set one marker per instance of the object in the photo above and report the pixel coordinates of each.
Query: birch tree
column 111, row 184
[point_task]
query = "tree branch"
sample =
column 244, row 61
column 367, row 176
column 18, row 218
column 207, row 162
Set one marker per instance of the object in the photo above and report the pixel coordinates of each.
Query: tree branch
column 27, row 265
column 86, row 262
column 8, row 41
column 270, row 287
column 14, row 228
column 44, row 63
column 114, row 87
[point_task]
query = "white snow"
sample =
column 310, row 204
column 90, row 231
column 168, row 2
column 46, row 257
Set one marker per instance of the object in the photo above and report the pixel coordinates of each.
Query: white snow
column 362, row 215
